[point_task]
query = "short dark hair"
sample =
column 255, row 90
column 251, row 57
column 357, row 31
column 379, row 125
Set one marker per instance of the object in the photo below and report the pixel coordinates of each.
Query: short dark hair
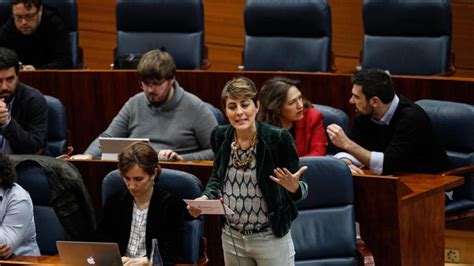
column 28, row 3
column 7, row 172
column 156, row 64
column 375, row 82
column 141, row 154
column 8, row 58
column 240, row 87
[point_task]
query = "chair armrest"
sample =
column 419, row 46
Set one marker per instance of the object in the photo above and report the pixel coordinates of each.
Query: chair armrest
column 451, row 69
column 332, row 63
column 364, row 257
column 460, row 171
column 205, row 64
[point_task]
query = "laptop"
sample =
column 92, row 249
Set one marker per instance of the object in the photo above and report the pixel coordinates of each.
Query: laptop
column 89, row 253
column 111, row 147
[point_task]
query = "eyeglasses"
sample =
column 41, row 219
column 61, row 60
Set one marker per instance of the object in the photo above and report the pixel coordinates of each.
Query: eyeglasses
column 27, row 17
column 152, row 84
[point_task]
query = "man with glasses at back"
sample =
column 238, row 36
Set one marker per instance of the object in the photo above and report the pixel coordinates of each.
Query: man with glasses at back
column 37, row 35
column 178, row 123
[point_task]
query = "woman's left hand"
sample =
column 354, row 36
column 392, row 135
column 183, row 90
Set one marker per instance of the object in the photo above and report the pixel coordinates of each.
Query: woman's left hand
column 288, row 180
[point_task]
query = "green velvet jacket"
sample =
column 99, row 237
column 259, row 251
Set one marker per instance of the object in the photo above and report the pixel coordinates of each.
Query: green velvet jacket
column 275, row 148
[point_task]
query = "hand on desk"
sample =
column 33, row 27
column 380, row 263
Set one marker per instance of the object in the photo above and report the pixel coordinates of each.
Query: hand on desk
column 195, row 212
column 135, row 261
column 5, row 251
column 81, row 157
column 355, row 170
column 169, row 155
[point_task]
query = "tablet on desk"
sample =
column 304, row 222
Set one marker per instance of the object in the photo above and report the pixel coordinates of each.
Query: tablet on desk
column 89, row 253
column 111, row 147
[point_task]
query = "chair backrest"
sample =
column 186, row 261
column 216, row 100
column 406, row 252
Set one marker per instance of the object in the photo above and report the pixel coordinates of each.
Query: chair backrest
column 57, row 126
column 177, row 26
column 49, row 229
column 324, row 232
column 5, row 10
column 287, row 35
column 221, row 120
column 453, row 125
column 333, row 115
column 181, row 184
column 410, row 37
column 67, row 9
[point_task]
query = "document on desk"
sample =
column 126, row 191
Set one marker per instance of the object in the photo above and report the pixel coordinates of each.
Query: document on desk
column 209, row 206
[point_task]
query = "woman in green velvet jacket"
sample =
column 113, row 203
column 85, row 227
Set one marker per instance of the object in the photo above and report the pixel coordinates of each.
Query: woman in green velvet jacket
column 253, row 174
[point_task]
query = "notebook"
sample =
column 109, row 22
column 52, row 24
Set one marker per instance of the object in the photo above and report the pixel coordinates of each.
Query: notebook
column 89, row 253
column 111, row 147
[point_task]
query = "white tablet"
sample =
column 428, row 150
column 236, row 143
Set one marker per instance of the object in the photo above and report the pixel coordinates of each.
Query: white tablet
column 111, row 147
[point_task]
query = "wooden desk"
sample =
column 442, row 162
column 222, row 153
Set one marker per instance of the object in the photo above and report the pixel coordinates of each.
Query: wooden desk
column 402, row 218
column 33, row 260
column 46, row 260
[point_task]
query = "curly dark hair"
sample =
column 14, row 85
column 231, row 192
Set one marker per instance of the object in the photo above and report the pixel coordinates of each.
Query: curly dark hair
column 7, row 172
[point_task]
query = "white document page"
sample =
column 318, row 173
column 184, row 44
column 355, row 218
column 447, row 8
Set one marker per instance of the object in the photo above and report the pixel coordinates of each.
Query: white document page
column 209, row 206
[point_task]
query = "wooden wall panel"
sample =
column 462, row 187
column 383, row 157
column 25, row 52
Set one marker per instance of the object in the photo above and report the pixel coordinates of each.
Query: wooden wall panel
column 224, row 29
column 346, row 28
column 463, row 33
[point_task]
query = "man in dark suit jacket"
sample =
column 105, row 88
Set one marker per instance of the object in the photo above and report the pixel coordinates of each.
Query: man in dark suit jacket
column 38, row 35
column 23, row 111
column 390, row 134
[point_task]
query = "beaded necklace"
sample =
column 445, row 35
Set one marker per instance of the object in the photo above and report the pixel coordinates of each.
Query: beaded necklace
column 247, row 159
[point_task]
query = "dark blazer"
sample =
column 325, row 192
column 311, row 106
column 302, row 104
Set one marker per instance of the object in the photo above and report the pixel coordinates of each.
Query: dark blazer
column 165, row 222
column 275, row 148
column 309, row 134
column 408, row 142
column 26, row 132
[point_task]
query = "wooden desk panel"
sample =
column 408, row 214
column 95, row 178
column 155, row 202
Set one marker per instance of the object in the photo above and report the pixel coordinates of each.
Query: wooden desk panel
column 33, row 260
column 402, row 218
column 93, row 98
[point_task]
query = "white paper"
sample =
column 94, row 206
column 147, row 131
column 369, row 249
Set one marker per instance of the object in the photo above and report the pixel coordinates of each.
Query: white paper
column 209, row 206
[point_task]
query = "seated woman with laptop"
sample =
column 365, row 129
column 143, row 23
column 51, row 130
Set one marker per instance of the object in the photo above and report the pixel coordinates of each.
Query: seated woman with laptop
column 142, row 212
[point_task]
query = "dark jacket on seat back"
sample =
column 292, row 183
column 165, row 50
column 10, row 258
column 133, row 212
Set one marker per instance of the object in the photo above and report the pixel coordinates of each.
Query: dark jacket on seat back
column 67, row 195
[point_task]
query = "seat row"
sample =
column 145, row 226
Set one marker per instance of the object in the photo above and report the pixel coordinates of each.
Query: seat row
column 328, row 212
column 405, row 37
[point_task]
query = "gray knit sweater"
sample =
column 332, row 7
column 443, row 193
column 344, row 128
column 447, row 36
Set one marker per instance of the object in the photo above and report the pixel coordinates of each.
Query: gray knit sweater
column 183, row 124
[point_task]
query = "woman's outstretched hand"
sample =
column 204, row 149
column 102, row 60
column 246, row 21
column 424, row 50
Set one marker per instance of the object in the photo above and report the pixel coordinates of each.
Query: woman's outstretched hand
column 288, row 180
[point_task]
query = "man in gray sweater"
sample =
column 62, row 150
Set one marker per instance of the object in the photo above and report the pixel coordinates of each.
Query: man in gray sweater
column 178, row 123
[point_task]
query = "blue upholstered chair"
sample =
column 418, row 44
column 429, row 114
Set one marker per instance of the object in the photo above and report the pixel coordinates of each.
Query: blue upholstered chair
column 48, row 227
column 324, row 232
column 5, row 10
column 176, row 26
column 407, row 37
column 221, row 120
column 67, row 9
column 183, row 185
column 333, row 115
column 57, row 127
column 287, row 35
column 453, row 124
